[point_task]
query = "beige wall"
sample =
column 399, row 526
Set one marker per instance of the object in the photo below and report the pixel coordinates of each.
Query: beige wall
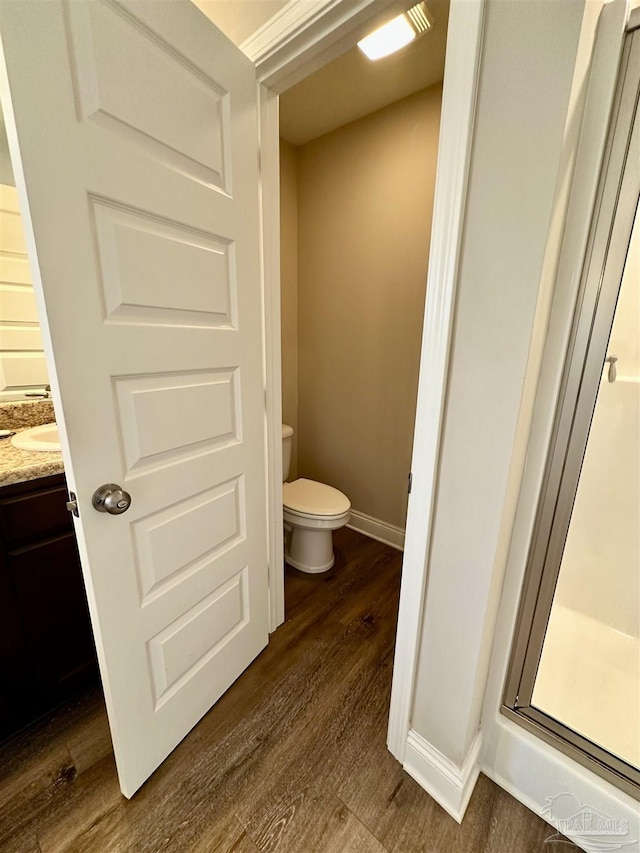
column 289, row 290
column 365, row 198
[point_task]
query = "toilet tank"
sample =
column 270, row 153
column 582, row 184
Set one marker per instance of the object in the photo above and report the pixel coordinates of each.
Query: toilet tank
column 287, row 441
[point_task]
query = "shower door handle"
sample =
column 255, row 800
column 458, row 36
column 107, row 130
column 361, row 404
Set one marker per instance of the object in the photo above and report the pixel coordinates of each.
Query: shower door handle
column 612, row 372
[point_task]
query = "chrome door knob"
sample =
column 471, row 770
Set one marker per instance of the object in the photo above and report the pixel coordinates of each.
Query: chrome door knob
column 111, row 498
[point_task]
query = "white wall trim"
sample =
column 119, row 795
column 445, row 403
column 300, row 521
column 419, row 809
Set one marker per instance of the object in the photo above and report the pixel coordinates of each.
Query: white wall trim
column 305, row 34
column 297, row 18
column 270, row 212
column 456, row 131
column 374, row 528
column 449, row 785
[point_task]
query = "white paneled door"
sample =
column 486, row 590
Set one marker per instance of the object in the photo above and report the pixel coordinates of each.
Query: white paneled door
column 133, row 128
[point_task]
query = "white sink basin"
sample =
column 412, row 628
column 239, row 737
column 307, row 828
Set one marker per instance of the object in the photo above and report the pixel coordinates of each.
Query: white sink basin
column 44, row 438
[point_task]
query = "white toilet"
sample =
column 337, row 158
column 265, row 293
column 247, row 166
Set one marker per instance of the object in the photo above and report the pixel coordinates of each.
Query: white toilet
column 311, row 512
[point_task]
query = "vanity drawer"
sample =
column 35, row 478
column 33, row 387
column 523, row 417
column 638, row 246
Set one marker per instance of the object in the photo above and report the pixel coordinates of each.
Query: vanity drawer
column 46, row 644
column 50, row 598
column 35, row 512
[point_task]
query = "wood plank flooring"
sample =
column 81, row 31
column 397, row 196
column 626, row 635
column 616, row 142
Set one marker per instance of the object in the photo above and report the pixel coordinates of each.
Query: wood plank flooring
column 292, row 758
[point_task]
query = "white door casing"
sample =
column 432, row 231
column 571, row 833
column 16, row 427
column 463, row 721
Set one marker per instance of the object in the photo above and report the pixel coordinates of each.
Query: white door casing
column 133, row 130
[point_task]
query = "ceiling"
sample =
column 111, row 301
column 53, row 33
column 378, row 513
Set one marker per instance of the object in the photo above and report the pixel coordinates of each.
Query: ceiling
column 351, row 86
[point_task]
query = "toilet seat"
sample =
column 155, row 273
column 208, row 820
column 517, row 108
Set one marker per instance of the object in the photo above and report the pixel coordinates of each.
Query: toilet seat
column 309, row 499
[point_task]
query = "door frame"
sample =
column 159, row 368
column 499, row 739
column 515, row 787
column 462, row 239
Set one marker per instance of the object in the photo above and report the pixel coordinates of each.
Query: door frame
column 293, row 44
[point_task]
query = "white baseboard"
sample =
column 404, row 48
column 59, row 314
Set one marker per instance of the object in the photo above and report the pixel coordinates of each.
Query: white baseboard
column 449, row 785
column 376, row 529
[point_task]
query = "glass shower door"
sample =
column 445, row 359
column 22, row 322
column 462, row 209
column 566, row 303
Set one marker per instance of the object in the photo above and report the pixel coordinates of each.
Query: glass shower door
column 589, row 671
column 574, row 677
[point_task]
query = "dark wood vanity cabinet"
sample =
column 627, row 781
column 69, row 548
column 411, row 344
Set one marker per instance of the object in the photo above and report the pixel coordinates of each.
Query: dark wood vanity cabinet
column 46, row 644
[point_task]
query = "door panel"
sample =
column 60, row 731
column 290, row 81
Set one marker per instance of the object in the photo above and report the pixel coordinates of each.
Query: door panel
column 119, row 64
column 154, row 324
column 183, row 540
column 188, row 278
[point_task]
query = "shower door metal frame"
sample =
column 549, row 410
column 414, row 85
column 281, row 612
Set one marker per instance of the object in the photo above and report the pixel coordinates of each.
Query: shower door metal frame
column 615, row 210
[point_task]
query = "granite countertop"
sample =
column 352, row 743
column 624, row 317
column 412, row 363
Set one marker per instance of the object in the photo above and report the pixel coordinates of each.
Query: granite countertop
column 17, row 466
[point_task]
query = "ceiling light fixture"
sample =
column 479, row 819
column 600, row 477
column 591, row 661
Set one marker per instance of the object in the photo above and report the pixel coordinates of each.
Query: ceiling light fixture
column 398, row 32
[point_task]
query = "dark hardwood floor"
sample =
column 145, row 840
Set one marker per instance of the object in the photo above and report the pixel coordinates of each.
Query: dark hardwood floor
column 292, row 758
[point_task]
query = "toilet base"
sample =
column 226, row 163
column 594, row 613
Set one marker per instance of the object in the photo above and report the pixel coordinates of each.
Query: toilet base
column 309, row 550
